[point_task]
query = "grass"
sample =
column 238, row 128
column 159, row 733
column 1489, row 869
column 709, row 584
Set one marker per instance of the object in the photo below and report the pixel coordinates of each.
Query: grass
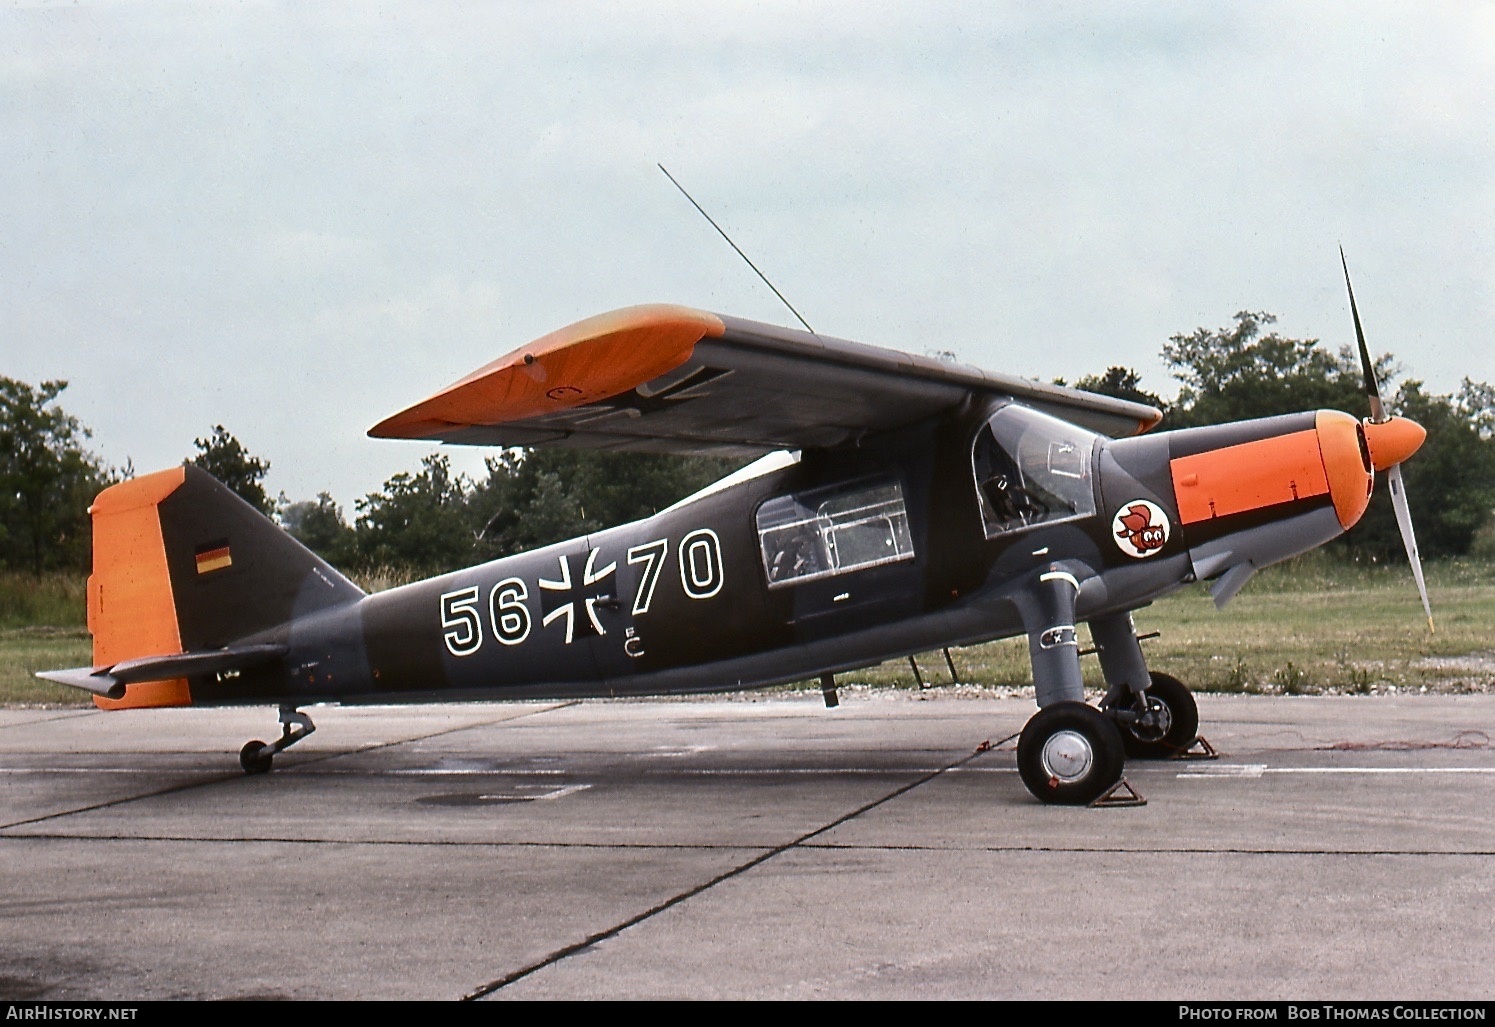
column 55, row 600
column 1308, row 627
column 1366, row 634
column 383, row 577
column 1311, row 626
column 42, row 628
column 24, row 651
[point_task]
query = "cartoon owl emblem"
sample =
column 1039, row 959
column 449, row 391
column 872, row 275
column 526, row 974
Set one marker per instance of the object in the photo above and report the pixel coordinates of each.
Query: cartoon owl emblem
column 1140, row 528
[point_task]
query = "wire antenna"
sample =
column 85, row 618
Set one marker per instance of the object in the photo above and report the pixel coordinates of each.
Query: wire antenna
column 732, row 244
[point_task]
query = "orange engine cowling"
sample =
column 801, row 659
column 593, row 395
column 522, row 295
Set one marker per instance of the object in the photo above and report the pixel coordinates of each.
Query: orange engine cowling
column 1354, row 450
column 1338, row 457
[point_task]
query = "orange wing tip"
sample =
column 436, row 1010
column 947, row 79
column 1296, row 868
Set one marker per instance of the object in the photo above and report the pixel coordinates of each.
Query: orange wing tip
column 591, row 360
column 1152, row 421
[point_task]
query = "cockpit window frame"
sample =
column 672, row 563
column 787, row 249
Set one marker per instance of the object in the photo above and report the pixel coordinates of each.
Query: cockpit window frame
column 812, row 543
column 1031, row 505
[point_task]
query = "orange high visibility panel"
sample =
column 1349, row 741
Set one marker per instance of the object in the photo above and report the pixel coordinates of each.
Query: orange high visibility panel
column 1350, row 479
column 1249, row 476
column 131, row 610
column 594, row 359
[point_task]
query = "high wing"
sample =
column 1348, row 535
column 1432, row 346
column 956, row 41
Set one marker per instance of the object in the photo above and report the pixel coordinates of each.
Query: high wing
column 669, row 379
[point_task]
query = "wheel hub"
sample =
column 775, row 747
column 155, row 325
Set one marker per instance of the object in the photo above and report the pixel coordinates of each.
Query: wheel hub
column 1153, row 724
column 1067, row 756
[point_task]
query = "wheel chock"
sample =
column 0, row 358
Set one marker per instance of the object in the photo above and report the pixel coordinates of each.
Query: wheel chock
column 1120, row 794
column 1200, row 750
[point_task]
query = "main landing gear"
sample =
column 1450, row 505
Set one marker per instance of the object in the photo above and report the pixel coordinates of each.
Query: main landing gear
column 1071, row 753
column 256, row 757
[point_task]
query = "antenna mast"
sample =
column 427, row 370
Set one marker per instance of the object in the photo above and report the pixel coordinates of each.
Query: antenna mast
column 732, row 244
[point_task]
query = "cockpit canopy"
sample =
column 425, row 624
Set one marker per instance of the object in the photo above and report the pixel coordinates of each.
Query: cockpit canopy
column 1031, row 469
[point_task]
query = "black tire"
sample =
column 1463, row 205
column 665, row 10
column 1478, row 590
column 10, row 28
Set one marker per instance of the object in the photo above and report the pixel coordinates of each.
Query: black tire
column 1070, row 754
column 1181, row 714
column 251, row 760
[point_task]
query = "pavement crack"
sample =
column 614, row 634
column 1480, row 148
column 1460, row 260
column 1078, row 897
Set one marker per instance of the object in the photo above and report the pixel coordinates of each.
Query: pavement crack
column 367, row 843
column 61, row 714
column 122, row 801
column 376, row 746
column 303, row 762
column 590, row 940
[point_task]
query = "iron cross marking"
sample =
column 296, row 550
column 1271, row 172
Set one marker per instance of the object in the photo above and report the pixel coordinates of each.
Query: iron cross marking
column 587, row 595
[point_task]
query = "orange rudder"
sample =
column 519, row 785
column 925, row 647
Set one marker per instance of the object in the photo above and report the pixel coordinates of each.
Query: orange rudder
column 131, row 609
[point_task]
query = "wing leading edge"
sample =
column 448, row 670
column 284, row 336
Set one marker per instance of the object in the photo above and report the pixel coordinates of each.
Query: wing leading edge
column 668, row 379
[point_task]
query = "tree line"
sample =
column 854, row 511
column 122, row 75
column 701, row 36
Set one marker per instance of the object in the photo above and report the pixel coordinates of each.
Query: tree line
column 432, row 520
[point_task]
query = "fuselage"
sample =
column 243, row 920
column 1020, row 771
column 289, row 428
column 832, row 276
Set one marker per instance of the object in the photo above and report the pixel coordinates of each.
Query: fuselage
column 805, row 565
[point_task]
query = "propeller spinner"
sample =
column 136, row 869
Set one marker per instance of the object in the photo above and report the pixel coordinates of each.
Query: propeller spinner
column 1390, row 440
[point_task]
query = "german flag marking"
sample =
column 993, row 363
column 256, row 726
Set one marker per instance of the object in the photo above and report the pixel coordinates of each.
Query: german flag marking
column 214, row 556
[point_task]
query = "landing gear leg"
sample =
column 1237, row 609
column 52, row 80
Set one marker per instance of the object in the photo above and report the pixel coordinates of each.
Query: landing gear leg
column 1049, row 619
column 1069, row 753
column 256, row 757
column 1157, row 715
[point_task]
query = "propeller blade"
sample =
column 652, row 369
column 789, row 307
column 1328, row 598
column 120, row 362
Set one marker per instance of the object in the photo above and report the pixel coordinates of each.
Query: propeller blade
column 1372, row 387
column 1409, row 539
column 1394, row 473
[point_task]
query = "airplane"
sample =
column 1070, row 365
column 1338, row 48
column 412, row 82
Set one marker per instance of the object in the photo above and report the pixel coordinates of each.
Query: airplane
column 898, row 504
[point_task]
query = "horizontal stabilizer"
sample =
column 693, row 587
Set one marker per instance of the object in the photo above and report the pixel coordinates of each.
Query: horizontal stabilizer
column 90, row 679
column 110, row 681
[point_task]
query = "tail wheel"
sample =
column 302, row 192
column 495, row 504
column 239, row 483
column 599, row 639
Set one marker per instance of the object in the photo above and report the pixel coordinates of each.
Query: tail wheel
column 251, row 760
column 1170, row 724
column 1070, row 754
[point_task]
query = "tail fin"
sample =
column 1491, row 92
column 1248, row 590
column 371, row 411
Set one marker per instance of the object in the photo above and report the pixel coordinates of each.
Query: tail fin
column 183, row 565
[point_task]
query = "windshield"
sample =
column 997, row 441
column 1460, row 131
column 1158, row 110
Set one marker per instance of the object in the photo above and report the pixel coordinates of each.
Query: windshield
column 1031, row 468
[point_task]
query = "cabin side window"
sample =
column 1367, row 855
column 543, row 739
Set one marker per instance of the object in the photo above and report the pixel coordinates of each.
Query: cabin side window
column 825, row 532
column 1030, row 469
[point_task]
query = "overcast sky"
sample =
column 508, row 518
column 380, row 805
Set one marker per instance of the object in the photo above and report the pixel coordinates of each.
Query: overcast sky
column 295, row 219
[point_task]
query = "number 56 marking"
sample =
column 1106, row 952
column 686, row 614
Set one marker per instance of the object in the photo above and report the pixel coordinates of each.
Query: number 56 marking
column 464, row 625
